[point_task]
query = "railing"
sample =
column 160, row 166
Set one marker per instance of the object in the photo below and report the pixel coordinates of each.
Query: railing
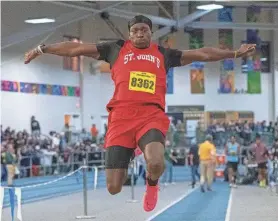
column 73, row 162
column 71, row 180
column 38, row 188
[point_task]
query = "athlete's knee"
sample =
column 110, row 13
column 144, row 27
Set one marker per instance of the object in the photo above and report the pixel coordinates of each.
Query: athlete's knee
column 156, row 166
column 113, row 188
column 154, row 154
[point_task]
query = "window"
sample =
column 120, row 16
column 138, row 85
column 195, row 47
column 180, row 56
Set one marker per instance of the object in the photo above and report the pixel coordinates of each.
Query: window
column 72, row 63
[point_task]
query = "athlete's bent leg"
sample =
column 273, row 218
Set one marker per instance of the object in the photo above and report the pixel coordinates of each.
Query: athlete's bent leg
column 117, row 159
column 152, row 145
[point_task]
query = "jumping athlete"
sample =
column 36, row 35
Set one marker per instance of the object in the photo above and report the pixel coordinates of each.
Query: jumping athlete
column 137, row 110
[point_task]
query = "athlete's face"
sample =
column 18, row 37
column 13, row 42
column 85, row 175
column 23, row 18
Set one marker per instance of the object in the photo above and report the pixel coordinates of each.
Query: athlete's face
column 140, row 35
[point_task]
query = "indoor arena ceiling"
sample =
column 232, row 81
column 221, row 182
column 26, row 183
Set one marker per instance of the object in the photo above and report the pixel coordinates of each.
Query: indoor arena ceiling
column 14, row 30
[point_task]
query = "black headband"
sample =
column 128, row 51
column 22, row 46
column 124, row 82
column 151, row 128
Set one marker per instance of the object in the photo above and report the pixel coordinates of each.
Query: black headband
column 140, row 19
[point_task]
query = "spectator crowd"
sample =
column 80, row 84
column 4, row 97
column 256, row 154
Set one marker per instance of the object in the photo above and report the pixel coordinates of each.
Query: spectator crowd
column 242, row 130
column 26, row 154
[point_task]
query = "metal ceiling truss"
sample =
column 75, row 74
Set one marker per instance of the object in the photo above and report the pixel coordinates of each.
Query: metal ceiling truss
column 171, row 25
column 111, row 25
column 164, row 10
column 229, row 25
column 177, row 23
column 61, row 21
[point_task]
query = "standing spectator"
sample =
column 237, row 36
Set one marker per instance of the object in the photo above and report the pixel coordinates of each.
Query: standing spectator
column 94, row 133
column 67, row 132
column 232, row 151
column 260, row 151
column 276, row 130
column 105, row 129
column 47, row 159
column 9, row 159
column 194, row 162
column 270, row 128
column 207, row 156
column 252, row 125
column 169, row 159
column 25, row 160
column 35, row 127
column 84, row 135
column 3, row 164
column 258, row 128
column 275, row 148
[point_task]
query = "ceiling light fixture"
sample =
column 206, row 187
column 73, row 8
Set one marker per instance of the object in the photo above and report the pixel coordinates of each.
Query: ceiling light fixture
column 39, row 20
column 210, row 7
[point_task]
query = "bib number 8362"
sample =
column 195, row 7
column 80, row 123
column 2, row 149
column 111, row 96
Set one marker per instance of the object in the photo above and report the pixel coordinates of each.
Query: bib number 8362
column 144, row 82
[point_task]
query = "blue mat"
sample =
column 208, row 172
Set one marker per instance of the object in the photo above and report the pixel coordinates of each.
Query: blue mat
column 209, row 206
column 72, row 184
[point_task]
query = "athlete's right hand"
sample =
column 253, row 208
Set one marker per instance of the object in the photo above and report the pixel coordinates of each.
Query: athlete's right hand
column 30, row 55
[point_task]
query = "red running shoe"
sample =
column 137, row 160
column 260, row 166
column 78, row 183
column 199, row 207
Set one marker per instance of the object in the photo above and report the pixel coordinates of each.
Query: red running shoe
column 150, row 197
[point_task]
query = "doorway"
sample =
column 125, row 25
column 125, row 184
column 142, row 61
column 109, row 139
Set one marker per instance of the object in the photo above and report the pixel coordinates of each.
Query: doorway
column 191, row 126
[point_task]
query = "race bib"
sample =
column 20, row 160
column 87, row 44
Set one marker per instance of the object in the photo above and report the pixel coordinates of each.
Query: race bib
column 233, row 153
column 142, row 81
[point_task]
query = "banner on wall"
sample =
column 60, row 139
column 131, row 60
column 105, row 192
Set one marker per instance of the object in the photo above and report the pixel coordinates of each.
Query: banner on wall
column 170, row 81
column 44, row 89
column 10, row 86
column 254, row 62
column 197, row 78
column 225, row 36
column 254, row 82
column 196, row 40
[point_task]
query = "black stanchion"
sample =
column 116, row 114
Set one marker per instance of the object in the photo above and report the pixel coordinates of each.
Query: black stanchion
column 132, row 200
column 85, row 198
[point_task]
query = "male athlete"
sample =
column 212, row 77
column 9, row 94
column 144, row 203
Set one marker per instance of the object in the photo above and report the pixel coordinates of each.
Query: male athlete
column 137, row 110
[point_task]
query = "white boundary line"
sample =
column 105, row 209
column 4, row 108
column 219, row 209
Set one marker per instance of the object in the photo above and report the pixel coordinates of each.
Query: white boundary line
column 229, row 207
column 172, row 204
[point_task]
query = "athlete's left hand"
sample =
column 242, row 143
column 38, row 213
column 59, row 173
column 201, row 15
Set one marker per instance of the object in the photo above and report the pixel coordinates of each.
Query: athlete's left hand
column 246, row 50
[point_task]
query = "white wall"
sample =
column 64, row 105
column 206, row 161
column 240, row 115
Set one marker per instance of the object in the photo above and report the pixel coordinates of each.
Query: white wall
column 17, row 108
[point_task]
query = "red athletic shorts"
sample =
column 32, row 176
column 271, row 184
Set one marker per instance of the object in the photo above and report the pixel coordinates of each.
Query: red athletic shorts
column 126, row 125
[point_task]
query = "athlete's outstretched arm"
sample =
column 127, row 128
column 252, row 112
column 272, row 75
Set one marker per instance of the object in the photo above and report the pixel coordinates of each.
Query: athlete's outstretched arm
column 215, row 54
column 67, row 48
